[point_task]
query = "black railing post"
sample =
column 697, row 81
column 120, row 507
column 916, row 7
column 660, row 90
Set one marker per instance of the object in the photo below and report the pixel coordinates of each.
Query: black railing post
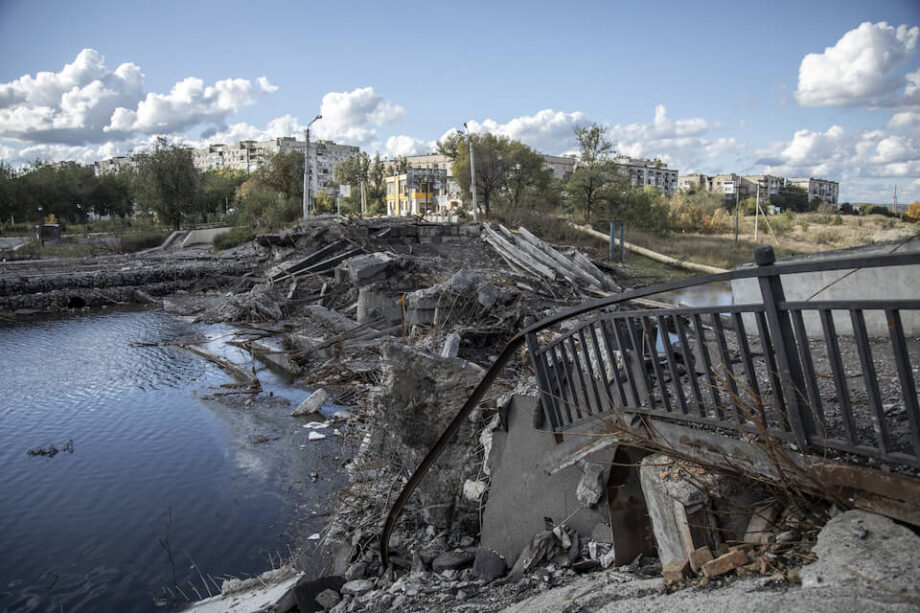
column 546, row 400
column 784, row 345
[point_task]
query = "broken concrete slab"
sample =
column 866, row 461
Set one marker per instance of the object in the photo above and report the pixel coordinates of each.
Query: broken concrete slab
column 522, row 490
column 861, row 549
column 365, row 269
column 451, row 346
column 420, row 394
column 313, row 403
column 270, row 591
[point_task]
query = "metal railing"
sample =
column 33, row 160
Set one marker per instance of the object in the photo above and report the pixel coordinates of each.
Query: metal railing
column 747, row 368
column 750, row 368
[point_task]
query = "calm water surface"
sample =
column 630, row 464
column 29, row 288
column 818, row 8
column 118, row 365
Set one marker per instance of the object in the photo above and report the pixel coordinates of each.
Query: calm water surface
column 153, row 464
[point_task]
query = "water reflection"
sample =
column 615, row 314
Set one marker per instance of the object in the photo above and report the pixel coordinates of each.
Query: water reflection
column 153, row 463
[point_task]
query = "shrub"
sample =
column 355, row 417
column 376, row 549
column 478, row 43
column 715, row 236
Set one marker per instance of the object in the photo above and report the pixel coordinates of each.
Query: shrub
column 874, row 209
column 826, row 237
column 912, row 214
column 129, row 243
column 236, row 236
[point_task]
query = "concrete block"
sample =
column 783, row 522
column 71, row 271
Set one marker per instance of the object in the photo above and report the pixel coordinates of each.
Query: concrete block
column 761, row 522
column 725, row 563
column 312, row 404
column 451, row 345
column 676, row 571
column 698, row 557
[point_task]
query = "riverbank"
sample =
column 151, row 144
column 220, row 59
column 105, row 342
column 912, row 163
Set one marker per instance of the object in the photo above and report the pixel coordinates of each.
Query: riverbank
column 396, row 320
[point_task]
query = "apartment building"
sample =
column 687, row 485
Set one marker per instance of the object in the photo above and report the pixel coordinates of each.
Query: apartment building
column 248, row 155
column 769, row 185
column 419, row 191
column 643, row 172
column 732, row 186
column 562, row 166
column 696, row 182
column 112, row 165
column 827, row 191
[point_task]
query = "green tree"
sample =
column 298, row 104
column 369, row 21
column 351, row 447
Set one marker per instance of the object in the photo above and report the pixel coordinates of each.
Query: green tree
column 282, row 172
column 113, row 193
column 353, row 171
column 791, row 198
column 11, row 204
column 59, row 189
column 217, row 192
column 527, row 177
column 595, row 178
column 168, row 182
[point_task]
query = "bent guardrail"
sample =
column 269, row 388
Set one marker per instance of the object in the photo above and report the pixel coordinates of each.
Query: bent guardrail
column 747, row 368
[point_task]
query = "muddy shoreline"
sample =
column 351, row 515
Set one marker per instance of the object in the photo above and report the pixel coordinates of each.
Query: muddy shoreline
column 396, row 320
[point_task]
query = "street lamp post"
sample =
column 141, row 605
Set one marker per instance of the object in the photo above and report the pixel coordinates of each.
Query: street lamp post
column 472, row 174
column 307, row 205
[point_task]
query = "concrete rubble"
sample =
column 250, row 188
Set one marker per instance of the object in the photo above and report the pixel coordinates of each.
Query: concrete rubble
column 395, row 321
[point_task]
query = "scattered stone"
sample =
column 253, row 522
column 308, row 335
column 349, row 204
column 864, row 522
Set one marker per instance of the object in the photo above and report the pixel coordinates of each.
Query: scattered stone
column 315, row 436
column 328, row 599
column 451, row 346
column 312, row 404
column 590, row 490
column 451, row 560
column 357, row 587
column 473, row 490
column 488, row 565
column 356, row 571
column 341, row 415
column 725, row 563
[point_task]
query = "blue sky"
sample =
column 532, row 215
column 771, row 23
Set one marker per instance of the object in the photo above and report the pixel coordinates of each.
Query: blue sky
column 828, row 89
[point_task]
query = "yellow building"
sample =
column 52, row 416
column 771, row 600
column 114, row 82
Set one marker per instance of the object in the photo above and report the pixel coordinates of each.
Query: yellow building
column 417, row 192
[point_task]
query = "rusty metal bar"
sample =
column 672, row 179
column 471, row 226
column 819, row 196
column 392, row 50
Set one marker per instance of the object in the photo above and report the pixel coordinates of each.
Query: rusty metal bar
column 690, row 363
column 869, row 380
column 906, row 376
column 808, row 371
column 672, row 363
column 747, row 359
column 839, row 374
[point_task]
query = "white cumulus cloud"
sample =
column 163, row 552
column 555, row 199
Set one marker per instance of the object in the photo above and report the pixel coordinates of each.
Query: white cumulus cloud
column 547, row 131
column 403, row 145
column 86, row 103
column 352, row 117
column 843, row 156
column 856, row 70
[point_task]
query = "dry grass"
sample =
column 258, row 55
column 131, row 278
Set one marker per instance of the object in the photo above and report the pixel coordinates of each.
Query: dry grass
column 805, row 233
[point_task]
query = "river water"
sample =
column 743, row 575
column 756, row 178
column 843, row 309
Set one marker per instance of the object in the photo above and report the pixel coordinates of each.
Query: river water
column 162, row 482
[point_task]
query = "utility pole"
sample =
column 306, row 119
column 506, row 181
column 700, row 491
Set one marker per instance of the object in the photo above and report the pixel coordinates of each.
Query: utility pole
column 472, row 174
column 307, row 203
column 757, row 212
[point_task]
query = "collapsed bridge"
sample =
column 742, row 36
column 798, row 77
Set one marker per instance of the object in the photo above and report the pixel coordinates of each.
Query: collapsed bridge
column 803, row 393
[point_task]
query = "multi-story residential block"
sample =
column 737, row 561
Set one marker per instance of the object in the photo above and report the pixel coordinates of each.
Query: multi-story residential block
column 827, row 191
column 648, row 173
column 248, row 155
column 769, row 185
column 697, row 182
column 562, row 166
column 418, row 191
column 112, row 165
column 732, row 186
column 436, row 161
